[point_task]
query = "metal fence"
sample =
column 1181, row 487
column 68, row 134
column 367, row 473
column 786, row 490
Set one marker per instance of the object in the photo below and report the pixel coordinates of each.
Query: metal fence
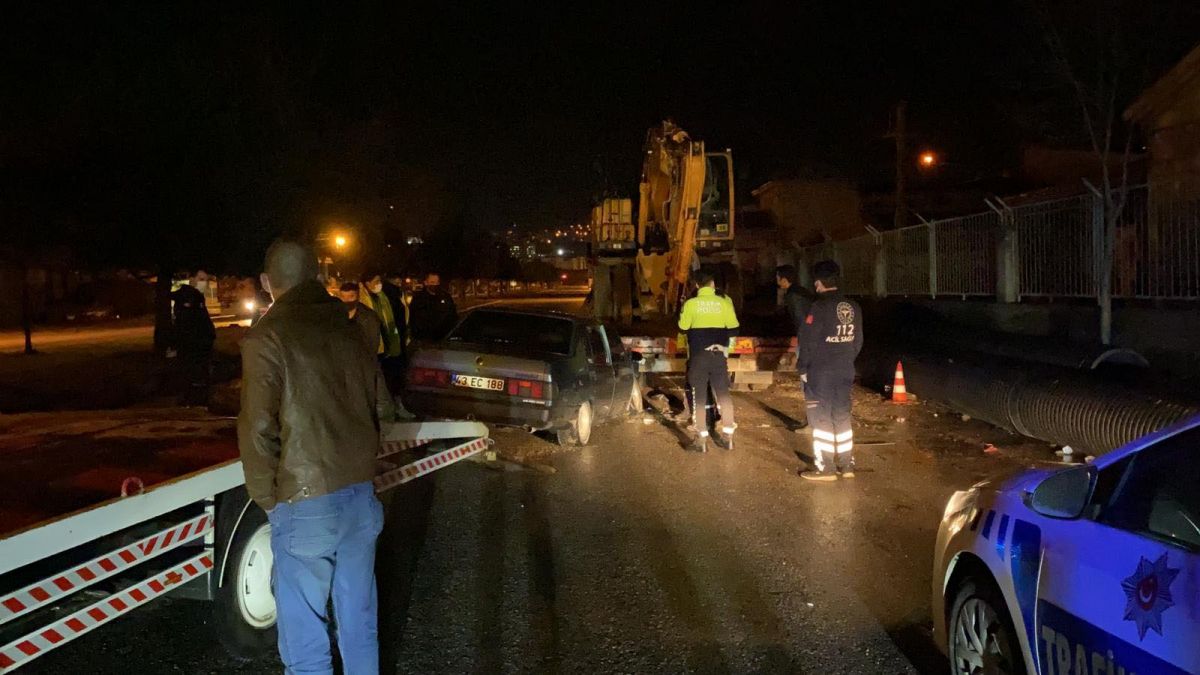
column 965, row 254
column 1057, row 243
column 1050, row 249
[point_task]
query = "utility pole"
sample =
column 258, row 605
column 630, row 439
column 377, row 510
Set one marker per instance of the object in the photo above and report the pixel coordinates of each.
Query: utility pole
column 899, row 133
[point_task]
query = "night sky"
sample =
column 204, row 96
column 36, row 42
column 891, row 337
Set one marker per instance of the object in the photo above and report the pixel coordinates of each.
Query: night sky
column 225, row 126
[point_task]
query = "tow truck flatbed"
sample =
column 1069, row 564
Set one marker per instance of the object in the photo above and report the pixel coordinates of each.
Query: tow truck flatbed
column 56, row 464
column 89, row 499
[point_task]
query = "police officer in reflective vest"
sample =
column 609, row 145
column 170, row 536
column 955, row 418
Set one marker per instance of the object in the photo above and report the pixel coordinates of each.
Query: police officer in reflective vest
column 710, row 323
column 830, row 339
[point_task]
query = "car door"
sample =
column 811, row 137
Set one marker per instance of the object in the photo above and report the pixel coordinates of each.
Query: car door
column 1120, row 588
column 625, row 371
column 600, row 366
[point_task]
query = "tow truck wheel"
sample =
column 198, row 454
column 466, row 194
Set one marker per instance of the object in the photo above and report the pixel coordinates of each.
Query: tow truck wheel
column 245, row 604
column 981, row 637
column 580, row 431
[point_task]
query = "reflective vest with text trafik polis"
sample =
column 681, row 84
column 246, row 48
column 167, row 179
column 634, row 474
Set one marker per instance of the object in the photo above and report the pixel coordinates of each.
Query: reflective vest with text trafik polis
column 709, row 320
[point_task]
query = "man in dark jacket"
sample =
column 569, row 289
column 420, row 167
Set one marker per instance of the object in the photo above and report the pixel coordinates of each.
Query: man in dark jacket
column 363, row 317
column 795, row 300
column 193, row 335
column 313, row 405
column 830, row 339
column 433, row 312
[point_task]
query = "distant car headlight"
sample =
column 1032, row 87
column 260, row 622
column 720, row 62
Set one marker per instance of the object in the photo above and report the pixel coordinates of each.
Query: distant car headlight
column 960, row 509
column 250, row 305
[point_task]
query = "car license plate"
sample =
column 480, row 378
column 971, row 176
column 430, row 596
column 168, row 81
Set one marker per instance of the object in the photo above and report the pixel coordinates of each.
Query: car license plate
column 473, row 382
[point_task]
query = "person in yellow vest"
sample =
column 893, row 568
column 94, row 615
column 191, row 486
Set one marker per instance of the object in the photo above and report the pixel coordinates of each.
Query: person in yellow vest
column 710, row 323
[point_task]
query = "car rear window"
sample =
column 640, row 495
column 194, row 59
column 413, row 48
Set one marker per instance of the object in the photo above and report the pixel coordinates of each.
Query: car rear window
column 528, row 331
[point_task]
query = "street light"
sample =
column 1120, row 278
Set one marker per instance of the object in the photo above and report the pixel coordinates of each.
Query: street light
column 340, row 241
column 927, row 160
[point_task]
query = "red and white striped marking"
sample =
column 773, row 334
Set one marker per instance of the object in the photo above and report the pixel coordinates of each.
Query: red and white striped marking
column 392, row 447
column 428, row 465
column 44, row 592
column 741, row 345
column 25, row 649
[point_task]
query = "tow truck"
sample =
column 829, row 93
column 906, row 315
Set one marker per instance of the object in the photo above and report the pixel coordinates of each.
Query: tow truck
column 104, row 512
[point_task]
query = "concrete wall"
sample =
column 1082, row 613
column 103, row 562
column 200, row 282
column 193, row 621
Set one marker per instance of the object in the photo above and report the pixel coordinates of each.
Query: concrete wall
column 812, row 211
column 1169, row 338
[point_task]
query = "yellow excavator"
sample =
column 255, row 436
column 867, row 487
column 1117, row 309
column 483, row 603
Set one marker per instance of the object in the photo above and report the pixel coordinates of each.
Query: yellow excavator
column 685, row 219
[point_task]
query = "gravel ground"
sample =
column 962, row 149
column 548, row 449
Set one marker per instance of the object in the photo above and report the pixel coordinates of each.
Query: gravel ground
column 632, row 556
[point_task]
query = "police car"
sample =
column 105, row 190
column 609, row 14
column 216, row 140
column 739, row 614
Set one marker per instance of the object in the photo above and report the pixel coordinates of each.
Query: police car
column 1089, row 569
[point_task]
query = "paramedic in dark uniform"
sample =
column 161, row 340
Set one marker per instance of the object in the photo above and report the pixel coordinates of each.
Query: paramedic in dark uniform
column 830, row 339
column 710, row 322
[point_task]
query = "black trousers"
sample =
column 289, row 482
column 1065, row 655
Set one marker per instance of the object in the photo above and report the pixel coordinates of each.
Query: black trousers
column 195, row 364
column 827, row 400
column 709, row 369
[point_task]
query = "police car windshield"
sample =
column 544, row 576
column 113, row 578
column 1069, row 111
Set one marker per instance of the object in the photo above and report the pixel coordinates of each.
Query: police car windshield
column 513, row 329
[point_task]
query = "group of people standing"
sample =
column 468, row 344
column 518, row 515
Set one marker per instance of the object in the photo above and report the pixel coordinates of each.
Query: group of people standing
column 388, row 317
column 829, row 336
column 390, row 320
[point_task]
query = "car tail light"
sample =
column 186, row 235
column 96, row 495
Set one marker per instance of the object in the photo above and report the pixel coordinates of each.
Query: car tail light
column 527, row 388
column 429, row 377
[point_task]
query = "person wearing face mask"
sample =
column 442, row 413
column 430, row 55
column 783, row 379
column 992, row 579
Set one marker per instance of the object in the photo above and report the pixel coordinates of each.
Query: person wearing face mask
column 433, row 311
column 363, row 317
column 193, row 335
column 371, row 294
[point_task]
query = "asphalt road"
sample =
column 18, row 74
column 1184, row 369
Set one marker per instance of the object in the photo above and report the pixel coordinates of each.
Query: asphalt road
column 631, row 555
column 138, row 333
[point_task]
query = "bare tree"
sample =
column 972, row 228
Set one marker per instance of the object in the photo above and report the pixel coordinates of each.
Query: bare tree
column 1098, row 98
column 1106, row 53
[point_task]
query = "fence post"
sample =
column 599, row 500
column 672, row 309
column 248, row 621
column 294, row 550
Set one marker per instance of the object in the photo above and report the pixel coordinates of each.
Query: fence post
column 1008, row 263
column 1101, row 271
column 880, row 263
column 933, row 261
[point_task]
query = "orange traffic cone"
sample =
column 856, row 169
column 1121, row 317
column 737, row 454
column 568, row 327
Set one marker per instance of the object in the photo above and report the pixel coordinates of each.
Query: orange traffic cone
column 899, row 391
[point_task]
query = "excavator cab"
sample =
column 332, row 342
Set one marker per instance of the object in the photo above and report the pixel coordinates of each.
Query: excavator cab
column 714, row 228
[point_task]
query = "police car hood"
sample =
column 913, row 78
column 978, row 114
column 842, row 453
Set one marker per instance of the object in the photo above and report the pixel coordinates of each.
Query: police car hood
column 1018, row 480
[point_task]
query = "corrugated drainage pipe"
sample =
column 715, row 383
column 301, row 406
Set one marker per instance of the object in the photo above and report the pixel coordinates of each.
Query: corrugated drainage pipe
column 1063, row 408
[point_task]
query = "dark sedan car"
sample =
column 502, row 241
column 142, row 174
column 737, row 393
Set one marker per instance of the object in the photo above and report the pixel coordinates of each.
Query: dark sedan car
column 542, row 371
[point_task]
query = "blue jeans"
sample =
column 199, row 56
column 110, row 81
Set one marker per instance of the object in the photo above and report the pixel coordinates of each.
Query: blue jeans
column 326, row 546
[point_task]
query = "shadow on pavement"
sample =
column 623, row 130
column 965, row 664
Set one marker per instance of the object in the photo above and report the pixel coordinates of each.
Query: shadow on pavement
column 406, row 514
column 790, row 422
column 915, row 641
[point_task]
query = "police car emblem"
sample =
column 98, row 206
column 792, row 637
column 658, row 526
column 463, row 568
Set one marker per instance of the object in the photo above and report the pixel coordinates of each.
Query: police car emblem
column 1148, row 594
column 845, row 313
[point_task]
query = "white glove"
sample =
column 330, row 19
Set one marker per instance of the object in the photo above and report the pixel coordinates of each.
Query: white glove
column 804, row 378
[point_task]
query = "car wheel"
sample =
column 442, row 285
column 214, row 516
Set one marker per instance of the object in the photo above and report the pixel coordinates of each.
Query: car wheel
column 982, row 639
column 637, row 403
column 580, row 431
